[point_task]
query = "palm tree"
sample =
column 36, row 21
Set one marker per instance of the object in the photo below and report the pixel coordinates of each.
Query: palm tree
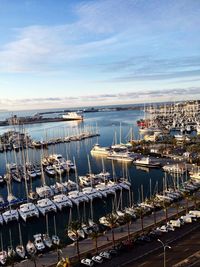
column 186, row 197
column 112, row 222
column 74, row 227
column 176, row 205
column 63, row 263
column 94, row 235
column 165, row 205
column 140, row 213
column 127, row 221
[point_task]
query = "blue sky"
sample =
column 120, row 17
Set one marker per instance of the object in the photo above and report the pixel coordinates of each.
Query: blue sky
column 77, row 53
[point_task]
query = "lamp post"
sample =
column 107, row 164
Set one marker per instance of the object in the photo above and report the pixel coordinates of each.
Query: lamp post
column 164, row 250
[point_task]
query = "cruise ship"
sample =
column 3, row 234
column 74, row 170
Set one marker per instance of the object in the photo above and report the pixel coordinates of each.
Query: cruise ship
column 72, row 116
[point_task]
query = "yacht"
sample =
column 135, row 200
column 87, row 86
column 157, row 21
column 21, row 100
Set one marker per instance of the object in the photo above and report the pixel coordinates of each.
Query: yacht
column 70, row 185
column 120, row 156
column 58, row 168
column 39, row 244
column 72, row 116
column 62, row 201
column 174, row 168
column 146, row 162
column 28, row 210
column 70, row 165
column 45, row 205
column 44, row 191
column 10, row 215
column 99, row 150
column 72, row 235
column 77, row 197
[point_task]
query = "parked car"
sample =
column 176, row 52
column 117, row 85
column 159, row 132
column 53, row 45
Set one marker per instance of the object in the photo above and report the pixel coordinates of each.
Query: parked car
column 97, row 259
column 87, row 262
column 105, row 254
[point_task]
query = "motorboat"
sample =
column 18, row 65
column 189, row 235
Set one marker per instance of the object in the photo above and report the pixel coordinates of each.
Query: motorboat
column 11, row 252
column 120, row 156
column 10, row 215
column 72, row 235
column 62, row 201
column 45, row 205
column 28, row 210
column 39, row 244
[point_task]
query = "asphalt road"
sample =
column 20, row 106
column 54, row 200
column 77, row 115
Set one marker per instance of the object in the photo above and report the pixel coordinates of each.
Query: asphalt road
column 182, row 246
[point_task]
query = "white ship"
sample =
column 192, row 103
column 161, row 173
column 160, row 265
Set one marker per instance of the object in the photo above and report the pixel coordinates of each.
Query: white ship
column 28, row 210
column 120, row 156
column 72, row 116
column 99, row 150
column 146, row 162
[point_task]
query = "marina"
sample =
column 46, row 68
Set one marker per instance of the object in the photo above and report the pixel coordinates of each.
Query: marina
column 82, row 180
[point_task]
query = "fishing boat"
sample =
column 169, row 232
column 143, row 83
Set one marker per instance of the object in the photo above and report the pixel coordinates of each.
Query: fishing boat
column 38, row 242
column 28, row 210
column 45, row 205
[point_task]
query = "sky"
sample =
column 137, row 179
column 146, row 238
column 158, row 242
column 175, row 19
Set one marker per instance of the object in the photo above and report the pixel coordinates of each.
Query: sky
column 70, row 53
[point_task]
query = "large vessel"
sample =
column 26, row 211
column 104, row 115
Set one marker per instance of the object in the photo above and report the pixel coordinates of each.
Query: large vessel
column 146, row 162
column 72, row 116
column 99, row 150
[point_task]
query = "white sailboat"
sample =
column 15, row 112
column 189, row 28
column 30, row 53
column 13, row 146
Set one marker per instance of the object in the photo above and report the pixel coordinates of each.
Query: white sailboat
column 3, row 253
column 46, row 239
column 55, row 238
column 11, row 251
column 30, row 247
column 45, row 205
column 20, row 250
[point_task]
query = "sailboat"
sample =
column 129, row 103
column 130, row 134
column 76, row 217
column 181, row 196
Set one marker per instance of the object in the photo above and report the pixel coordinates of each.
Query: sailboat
column 46, row 239
column 30, row 247
column 55, row 238
column 11, row 251
column 20, row 250
column 3, row 253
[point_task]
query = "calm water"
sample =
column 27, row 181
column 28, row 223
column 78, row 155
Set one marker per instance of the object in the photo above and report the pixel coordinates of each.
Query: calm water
column 108, row 124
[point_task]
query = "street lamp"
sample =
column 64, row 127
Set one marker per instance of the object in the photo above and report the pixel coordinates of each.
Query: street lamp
column 164, row 249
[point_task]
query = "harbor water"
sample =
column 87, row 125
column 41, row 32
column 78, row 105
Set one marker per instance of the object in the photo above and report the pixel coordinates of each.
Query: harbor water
column 108, row 125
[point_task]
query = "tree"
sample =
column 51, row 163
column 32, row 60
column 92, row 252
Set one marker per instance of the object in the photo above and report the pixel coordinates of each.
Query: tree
column 165, row 205
column 127, row 221
column 176, row 205
column 74, row 227
column 140, row 213
column 112, row 222
column 94, row 235
column 186, row 196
